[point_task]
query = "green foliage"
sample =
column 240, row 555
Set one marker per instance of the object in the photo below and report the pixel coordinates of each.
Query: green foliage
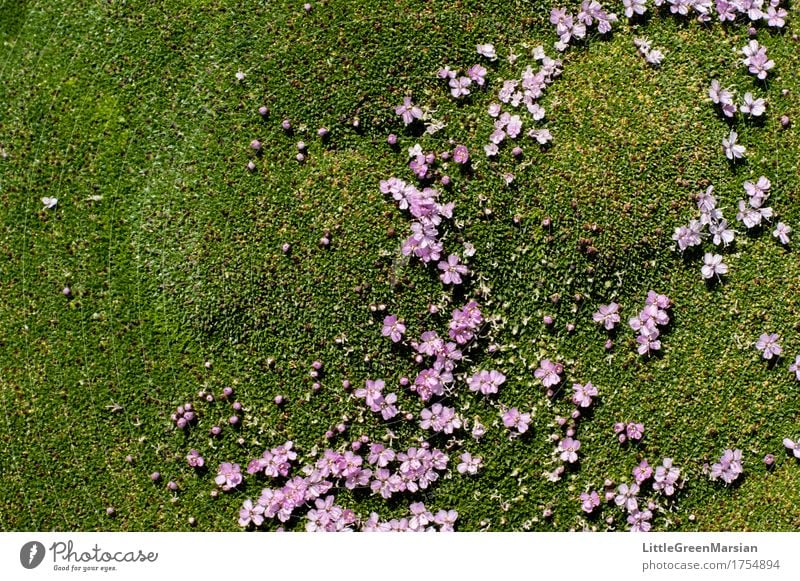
column 129, row 113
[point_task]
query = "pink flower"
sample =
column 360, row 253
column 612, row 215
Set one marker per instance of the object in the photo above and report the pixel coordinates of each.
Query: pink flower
column 452, row 270
column 393, row 328
column 229, row 476
column 486, row 382
column 548, row 372
column 569, row 449
column 514, row 419
column 408, row 111
column 589, row 501
column 583, row 394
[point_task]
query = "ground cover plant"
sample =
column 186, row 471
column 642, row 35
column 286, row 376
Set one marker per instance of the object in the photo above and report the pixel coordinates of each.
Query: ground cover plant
column 469, row 266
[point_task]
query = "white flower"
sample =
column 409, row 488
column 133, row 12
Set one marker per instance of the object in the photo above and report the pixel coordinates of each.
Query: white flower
column 713, row 265
column 487, row 50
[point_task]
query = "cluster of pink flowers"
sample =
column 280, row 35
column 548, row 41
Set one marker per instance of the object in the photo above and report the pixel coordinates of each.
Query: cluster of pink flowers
column 465, row 323
column 753, row 211
column 274, row 463
column 229, row 476
column 184, row 415
column 420, row 520
column 667, row 478
column 486, row 382
column 649, row 320
column 629, row 497
column 756, row 59
column 378, row 403
column 633, row 431
column 569, row 26
column 523, row 91
column 424, row 242
column 439, row 418
column 729, row 467
column 459, row 85
column 415, row 469
column 328, row 517
column 752, row 106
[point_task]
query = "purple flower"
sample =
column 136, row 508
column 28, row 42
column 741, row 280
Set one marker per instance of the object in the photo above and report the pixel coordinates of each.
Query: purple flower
column 229, row 476
column 666, row 477
column 514, row 419
column 446, row 73
column 733, row 151
column 757, row 192
column 751, row 215
column 720, row 233
column 478, row 74
column 717, row 94
column 640, row 521
column 729, row 466
column 781, row 232
column 379, row 455
column 408, row 111
column 795, row 368
column 793, row 446
column 393, row 328
column 486, row 382
column 589, row 501
column 634, row 7
column 768, row 344
column 626, row 497
column 469, row 464
column 194, row 459
column 487, row 50
column 635, row 431
column 386, row 406
column 452, row 270
column 371, row 392
column 460, row 154
column 775, row 16
column 642, row 472
column 459, row 86
column 607, row 315
column 430, row 382
column 569, row 449
column 583, row 394
column 713, row 265
column 756, row 59
column 687, row 236
column 753, row 107
column 446, row 519
column 548, row 372
column 251, row 514
column 439, row 419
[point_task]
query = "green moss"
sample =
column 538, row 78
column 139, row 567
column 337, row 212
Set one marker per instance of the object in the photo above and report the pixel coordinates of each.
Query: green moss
column 131, row 116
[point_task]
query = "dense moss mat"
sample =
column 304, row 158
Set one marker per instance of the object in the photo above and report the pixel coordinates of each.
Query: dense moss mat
column 130, row 114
